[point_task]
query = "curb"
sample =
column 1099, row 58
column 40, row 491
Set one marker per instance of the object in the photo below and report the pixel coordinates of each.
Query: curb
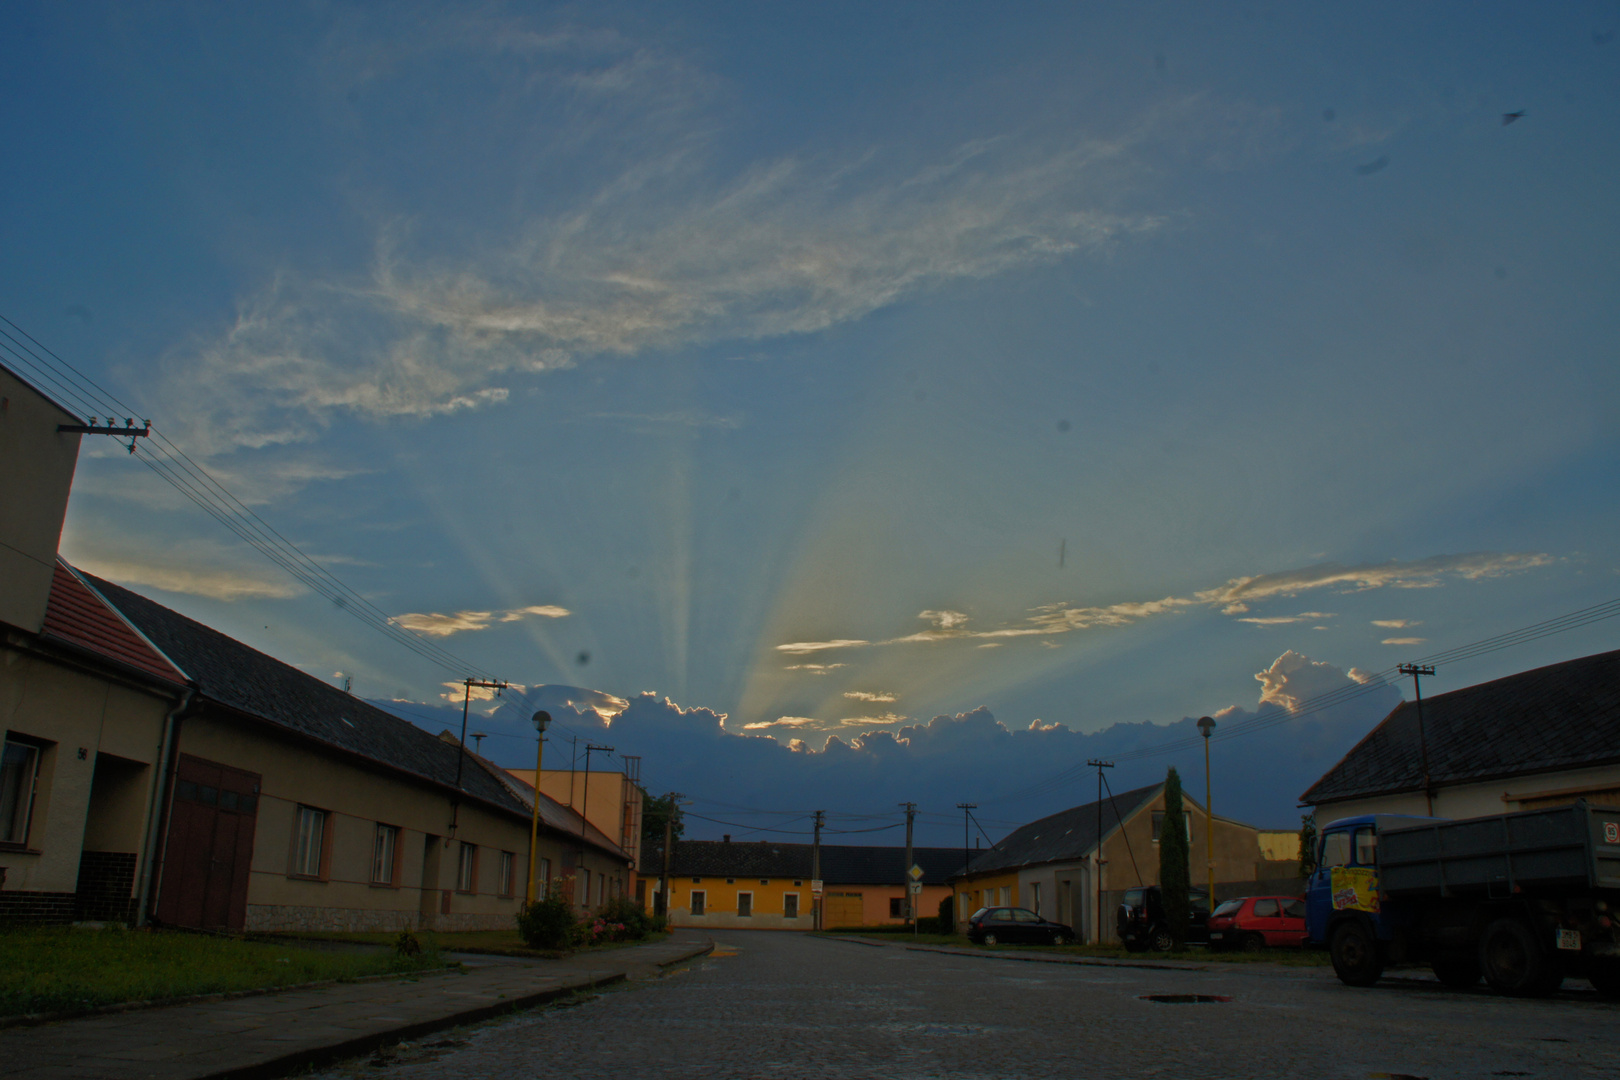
column 1081, row 961
column 316, row 1057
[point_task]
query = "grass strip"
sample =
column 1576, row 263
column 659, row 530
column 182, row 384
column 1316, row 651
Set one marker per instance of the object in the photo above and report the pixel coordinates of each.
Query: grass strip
column 68, row 969
column 499, row 942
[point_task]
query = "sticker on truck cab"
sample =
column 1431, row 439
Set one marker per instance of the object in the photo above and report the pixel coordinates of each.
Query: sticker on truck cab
column 1611, row 832
column 1354, row 888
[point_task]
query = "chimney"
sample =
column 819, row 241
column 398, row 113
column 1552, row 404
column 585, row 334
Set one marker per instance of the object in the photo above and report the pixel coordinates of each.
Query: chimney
column 725, row 838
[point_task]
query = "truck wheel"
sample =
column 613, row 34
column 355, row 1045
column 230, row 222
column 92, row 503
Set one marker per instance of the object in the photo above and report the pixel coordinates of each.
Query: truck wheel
column 1457, row 972
column 1358, row 960
column 1514, row 962
column 1159, row 939
column 1605, row 976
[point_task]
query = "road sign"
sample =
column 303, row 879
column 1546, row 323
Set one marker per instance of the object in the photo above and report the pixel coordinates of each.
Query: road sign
column 915, row 873
column 815, row 887
column 916, row 887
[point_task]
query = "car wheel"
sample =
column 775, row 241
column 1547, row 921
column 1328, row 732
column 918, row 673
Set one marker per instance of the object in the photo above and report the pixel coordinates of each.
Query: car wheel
column 1514, row 962
column 1457, row 972
column 1159, row 939
column 1358, row 959
column 988, row 939
column 1252, row 942
column 1059, row 939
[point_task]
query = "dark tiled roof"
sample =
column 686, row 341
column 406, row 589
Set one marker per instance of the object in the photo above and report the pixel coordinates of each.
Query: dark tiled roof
column 230, row 673
column 1563, row 716
column 77, row 617
column 840, row 864
column 1068, row 834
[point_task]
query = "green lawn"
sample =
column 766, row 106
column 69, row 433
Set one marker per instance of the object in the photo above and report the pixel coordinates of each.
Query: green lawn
column 504, row 942
column 55, row 969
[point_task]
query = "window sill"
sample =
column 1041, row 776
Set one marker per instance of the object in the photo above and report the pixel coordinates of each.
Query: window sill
column 306, row 877
column 19, row 849
column 384, row 884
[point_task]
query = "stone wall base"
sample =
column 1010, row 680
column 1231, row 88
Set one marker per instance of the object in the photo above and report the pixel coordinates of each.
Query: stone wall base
column 269, row 918
column 46, row 907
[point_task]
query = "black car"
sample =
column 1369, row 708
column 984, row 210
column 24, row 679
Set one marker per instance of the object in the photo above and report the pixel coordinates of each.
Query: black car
column 1142, row 926
column 1015, row 926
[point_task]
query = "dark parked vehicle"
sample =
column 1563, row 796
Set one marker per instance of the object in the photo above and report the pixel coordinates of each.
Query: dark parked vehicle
column 1142, row 926
column 1251, row 923
column 1015, row 926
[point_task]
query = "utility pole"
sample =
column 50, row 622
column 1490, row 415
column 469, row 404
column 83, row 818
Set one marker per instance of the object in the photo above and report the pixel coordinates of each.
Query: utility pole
column 967, row 809
column 1416, row 671
column 496, row 685
column 815, row 868
column 911, row 907
column 1097, row 860
column 669, row 848
column 584, row 804
column 1206, row 725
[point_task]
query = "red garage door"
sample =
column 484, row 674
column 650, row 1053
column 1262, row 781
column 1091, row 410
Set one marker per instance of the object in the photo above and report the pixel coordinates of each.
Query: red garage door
column 210, row 846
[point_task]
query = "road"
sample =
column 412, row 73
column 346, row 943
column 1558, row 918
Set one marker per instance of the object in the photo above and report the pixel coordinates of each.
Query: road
column 786, row 1005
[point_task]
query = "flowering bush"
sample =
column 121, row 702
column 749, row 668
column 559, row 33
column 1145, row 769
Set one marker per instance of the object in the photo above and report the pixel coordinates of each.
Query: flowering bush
column 547, row 923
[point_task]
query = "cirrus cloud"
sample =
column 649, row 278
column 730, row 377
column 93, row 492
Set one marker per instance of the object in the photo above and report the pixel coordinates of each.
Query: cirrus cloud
column 434, row 624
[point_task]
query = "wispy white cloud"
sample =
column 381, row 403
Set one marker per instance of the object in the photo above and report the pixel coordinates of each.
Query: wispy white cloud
column 435, row 624
column 865, row 695
column 191, row 580
column 1396, row 624
column 782, row 722
column 1403, row 641
column 882, row 720
column 806, row 648
column 815, row 669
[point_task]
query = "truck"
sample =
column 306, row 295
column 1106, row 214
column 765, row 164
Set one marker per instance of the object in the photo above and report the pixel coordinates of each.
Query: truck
column 1523, row 900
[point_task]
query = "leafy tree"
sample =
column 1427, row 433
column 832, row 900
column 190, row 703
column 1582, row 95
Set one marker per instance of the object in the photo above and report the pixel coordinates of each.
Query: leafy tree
column 1173, row 870
column 1307, row 845
column 655, row 811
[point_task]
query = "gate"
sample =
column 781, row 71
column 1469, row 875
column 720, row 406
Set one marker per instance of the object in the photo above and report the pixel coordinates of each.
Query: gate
column 209, row 850
column 842, row 909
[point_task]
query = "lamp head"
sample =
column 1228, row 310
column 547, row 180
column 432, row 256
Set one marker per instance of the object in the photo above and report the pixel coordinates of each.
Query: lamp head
column 542, row 720
column 1206, row 726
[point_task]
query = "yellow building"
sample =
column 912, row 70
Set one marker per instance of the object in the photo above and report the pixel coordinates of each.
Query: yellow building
column 1052, row 866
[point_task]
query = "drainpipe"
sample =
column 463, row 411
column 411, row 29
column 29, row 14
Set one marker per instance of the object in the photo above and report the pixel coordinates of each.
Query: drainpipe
column 157, row 807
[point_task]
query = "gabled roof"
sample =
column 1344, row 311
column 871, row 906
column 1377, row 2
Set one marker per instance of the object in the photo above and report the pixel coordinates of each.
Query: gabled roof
column 229, row 673
column 76, row 616
column 1064, row 836
column 840, row 864
column 1563, row 716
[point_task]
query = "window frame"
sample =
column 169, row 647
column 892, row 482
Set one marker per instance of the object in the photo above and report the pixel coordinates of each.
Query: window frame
column 897, row 907
column 697, row 902
column 467, row 869
column 794, row 897
column 741, row 893
column 36, row 751
column 395, row 850
column 299, row 868
column 508, row 876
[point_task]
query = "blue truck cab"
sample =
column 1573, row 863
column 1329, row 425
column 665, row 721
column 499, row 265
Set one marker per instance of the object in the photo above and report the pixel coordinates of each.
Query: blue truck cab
column 1342, row 897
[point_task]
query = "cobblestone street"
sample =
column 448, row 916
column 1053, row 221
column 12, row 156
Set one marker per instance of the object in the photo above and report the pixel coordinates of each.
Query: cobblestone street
column 784, row 1005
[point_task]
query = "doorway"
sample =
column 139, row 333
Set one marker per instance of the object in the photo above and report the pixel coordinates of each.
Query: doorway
column 209, row 851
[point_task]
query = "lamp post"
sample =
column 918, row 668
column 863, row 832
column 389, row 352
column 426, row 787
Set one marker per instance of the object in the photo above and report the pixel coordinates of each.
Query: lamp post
column 542, row 720
column 1206, row 725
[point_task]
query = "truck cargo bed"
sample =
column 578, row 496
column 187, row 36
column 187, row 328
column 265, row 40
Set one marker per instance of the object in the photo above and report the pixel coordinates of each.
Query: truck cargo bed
column 1503, row 854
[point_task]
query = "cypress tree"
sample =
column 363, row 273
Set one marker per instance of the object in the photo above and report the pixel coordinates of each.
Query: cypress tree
column 1173, row 872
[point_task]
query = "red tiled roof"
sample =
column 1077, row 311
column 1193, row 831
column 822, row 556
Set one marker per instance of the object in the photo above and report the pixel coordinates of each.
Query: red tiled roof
column 77, row 616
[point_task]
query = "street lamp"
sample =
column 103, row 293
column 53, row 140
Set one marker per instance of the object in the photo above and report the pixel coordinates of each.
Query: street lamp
column 542, row 720
column 1206, row 725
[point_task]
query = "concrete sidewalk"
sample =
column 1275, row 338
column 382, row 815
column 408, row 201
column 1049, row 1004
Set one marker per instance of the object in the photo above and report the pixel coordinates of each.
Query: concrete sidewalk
column 271, row 1035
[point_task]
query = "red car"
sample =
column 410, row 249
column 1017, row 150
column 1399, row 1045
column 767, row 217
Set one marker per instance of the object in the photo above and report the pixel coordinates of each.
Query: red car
column 1251, row 923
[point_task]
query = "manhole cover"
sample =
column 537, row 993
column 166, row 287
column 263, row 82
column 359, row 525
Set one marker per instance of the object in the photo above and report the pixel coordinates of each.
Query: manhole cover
column 1184, row 999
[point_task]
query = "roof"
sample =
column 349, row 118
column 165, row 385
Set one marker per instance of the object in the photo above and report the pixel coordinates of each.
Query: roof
column 1065, row 835
column 840, row 865
column 78, row 617
column 1562, row 716
column 229, row 673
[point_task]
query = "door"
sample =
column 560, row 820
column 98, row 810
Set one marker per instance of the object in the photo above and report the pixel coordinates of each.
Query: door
column 209, row 851
column 841, row 909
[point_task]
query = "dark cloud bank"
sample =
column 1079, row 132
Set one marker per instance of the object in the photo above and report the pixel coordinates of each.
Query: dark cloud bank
column 968, row 757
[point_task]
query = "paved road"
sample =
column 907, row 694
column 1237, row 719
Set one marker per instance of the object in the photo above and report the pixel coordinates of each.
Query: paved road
column 784, row 1005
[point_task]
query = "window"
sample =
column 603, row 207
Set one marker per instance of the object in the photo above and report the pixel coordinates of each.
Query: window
column 745, row 905
column 790, row 905
column 1366, row 847
column 19, row 768
column 989, row 898
column 1335, row 849
column 467, row 868
column 695, row 905
column 764, row 881
column 506, row 873
column 543, row 879
column 731, row 881
column 897, row 907
column 1035, row 896
column 1294, row 909
column 1024, row 915
column 309, row 843
column 798, row 884
column 382, row 856
column 583, row 877
column 1158, row 824
column 1265, row 909
column 1006, row 895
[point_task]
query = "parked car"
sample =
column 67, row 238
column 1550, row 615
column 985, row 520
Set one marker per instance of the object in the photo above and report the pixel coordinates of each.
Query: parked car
column 1251, row 923
column 1142, row 926
column 1015, row 926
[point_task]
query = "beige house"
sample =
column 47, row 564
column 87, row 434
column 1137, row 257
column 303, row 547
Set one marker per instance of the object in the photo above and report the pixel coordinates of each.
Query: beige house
column 1539, row 738
column 156, row 768
column 1051, row 866
column 609, row 799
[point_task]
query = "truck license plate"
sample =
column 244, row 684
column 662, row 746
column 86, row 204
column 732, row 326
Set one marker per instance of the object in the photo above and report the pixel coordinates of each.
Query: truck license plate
column 1569, row 939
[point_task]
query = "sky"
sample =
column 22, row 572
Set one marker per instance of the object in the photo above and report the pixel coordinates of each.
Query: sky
column 846, row 404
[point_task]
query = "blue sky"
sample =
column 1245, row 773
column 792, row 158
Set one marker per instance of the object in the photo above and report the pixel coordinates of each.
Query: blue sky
column 835, row 367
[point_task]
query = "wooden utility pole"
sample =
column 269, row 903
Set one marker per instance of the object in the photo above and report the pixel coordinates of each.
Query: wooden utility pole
column 1096, row 857
column 669, row 848
column 815, row 868
column 496, row 685
column 911, row 907
column 1417, row 670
